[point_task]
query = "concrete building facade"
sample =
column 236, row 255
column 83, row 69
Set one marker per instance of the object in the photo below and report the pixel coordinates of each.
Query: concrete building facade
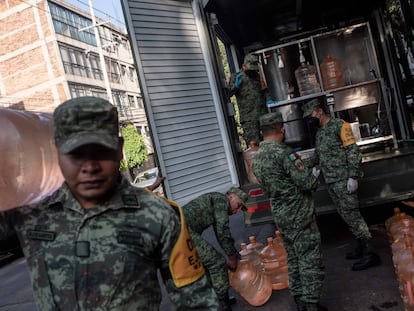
column 49, row 53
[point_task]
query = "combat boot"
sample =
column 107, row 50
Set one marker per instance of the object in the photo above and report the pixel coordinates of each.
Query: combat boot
column 300, row 305
column 357, row 252
column 315, row 307
column 368, row 258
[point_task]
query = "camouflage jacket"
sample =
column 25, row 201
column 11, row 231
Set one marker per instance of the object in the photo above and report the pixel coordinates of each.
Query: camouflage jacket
column 336, row 152
column 251, row 100
column 211, row 209
column 106, row 257
column 289, row 184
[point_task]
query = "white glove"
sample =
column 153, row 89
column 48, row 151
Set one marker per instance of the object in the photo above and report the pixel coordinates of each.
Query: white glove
column 352, row 185
column 315, row 172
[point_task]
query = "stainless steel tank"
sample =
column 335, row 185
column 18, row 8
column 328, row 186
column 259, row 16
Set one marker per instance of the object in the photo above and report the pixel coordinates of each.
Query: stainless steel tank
column 295, row 126
column 276, row 81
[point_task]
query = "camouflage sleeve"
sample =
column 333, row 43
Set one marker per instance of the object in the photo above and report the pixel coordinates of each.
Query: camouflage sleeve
column 354, row 158
column 199, row 295
column 222, row 226
column 313, row 160
column 353, row 154
column 300, row 175
column 189, row 287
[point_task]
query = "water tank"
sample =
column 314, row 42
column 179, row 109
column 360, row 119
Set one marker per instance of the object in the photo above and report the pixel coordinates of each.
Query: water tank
column 296, row 134
column 29, row 168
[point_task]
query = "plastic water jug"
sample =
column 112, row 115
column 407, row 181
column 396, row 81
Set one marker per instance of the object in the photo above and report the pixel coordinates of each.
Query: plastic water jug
column 305, row 76
column 251, row 255
column 274, row 265
column 406, row 282
column 397, row 227
column 252, row 285
column 29, row 168
column 257, row 246
column 331, row 71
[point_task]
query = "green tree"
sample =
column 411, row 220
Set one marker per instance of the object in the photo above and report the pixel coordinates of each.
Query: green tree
column 135, row 151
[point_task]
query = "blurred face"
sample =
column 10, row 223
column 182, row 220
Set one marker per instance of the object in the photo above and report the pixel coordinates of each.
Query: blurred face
column 91, row 172
column 235, row 203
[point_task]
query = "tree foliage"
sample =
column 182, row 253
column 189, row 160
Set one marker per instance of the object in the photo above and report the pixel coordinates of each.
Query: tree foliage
column 135, row 151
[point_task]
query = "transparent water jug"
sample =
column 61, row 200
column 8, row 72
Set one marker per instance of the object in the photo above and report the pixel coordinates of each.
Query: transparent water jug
column 29, row 168
column 274, row 265
column 251, row 255
column 257, row 246
column 305, row 76
column 406, row 282
column 278, row 241
column 397, row 227
column 331, row 71
column 401, row 249
column 398, row 215
column 252, row 285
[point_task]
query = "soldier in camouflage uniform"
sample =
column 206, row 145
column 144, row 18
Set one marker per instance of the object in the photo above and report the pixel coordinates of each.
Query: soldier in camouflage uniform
column 339, row 158
column 213, row 209
column 289, row 184
column 97, row 242
column 251, row 97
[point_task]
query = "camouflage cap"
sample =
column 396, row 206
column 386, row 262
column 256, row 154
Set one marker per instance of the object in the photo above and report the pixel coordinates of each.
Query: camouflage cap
column 271, row 118
column 251, row 61
column 308, row 107
column 85, row 120
column 241, row 194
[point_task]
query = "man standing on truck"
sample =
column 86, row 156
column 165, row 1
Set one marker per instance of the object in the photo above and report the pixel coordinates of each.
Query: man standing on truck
column 289, row 184
column 251, row 97
column 339, row 158
column 97, row 242
column 213, row 209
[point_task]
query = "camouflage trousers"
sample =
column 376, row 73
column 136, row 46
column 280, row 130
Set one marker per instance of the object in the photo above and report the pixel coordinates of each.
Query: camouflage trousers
column 214, row 263
column 348, row 208
column 251, row 131
column 305, row 266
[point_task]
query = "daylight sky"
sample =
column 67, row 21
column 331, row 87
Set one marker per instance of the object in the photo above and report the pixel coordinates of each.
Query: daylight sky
column 103, row 9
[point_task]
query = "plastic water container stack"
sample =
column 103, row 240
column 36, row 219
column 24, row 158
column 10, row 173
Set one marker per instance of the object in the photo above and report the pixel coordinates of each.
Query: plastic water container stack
column 400, row 230
column 273, row 258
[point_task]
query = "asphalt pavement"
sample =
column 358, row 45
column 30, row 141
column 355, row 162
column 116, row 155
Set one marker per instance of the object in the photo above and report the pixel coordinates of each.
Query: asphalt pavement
column 375, row 289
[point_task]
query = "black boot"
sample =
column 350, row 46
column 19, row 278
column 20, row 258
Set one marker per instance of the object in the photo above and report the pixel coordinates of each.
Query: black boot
column 300, row 305
column 368, row 258
column 315, row 307
column 357, row 252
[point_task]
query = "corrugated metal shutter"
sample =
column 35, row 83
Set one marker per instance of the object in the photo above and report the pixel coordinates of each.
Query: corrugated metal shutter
column 186, row 119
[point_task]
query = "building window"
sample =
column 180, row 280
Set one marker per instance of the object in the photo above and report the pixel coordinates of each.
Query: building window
column 74, row 61
column 77, row 90
column 68, row 23
column 113, row 70
column 124, row 109
column 95, row 62
column 140, row 103
column 131, row 101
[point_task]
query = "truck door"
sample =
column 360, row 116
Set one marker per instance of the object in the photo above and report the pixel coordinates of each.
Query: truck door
column 182, row 100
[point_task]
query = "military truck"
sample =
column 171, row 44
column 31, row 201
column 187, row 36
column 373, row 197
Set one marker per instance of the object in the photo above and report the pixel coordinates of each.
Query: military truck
column 360, row 66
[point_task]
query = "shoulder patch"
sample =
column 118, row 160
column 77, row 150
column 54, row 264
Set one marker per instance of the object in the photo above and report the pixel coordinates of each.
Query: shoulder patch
column 297, row 161
column 347, row 136
column 185, row 265
column 293, row 156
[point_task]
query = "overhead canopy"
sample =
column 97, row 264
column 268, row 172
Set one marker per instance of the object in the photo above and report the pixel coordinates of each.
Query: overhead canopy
column 263, row 22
